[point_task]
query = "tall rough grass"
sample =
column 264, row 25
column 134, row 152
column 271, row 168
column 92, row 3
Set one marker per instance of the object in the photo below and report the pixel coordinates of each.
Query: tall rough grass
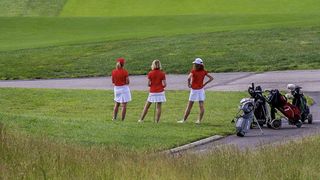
column 25, row 157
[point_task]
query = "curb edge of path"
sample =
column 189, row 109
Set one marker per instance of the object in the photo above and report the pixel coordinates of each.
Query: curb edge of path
column 193, row 144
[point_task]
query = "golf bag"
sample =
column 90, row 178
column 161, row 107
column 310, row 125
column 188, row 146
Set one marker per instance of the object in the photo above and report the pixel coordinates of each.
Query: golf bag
column 300, row 101
column 244, row 121
column 261, row 110
column 279, row 102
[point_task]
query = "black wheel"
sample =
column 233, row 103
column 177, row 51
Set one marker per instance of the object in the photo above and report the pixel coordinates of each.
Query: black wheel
column 240, row 133
column 269, row 125
column 276, row 124
column 299, row 124
column 310, row 119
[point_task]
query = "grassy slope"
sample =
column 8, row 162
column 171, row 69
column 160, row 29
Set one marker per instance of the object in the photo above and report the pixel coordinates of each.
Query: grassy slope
column 83, row 59
column 85, row 117
column 31, row 7
column 255, row 50
column 179, row 7
column 21, row 33
column 24, row 157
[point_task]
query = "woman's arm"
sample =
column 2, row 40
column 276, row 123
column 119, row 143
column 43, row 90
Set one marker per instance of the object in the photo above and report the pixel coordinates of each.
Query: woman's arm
column 149, row 82
column 210, row 79
column 189, row 80
column 127, row 81
column 164, row 83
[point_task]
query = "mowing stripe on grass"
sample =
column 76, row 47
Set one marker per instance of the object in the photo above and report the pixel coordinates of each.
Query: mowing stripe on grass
column 182, row 7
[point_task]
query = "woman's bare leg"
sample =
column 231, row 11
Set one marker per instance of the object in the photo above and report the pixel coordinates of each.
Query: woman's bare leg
column 158, row 111
column 115, row 110
column 188, row 110
column 145, row 110
column 124, row 111
column 201, row 105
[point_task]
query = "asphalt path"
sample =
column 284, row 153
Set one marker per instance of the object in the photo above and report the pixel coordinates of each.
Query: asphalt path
column 239, row 81
column 308, row 79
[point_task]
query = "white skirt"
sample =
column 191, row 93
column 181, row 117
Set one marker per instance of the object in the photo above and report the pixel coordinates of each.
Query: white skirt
column 157, row 97
column 197, row 95
column 122, row 94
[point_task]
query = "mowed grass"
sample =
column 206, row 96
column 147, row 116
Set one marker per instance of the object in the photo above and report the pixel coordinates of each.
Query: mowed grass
column 25, row 157
column 254, row 50
column 55, row 47
column 84, row 116
column 153, row 8
column 183, row 7
column 34, row 32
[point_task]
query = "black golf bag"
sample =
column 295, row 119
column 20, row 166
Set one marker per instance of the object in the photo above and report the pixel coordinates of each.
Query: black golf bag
column 300, row 101
column 261, row 111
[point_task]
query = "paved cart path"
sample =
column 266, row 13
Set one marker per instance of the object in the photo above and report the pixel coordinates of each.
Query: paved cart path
column 239, row 81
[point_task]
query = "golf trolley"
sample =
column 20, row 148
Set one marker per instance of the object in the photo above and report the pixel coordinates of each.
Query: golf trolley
column 246, row 118
column 262, row 109
column 279, row 102
column 300, row 101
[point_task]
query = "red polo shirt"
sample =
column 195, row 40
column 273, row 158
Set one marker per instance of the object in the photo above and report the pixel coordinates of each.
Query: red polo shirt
column 156, row 77
column 197, row 78
column 119, row 77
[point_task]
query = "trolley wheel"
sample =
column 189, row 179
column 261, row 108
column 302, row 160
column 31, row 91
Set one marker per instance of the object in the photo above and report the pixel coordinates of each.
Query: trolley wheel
column 310, row 118
column 299, row 124
column 269, row 125
column 240, row 133
column 276, row 124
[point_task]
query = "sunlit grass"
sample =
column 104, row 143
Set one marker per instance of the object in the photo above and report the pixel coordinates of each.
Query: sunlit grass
column 84, row 116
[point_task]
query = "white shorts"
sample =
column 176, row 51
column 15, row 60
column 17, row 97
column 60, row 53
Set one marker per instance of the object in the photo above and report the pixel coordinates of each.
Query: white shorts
column 157, row 97
column 122, row 94
column 197, row 95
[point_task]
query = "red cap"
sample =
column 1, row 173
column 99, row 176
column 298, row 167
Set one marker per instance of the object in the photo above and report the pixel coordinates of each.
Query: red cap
column 121, row 60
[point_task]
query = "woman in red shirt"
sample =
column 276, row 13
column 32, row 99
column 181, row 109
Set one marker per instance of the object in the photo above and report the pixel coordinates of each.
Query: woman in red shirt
column 195, row 82
column 122, row 94
column 157, row 83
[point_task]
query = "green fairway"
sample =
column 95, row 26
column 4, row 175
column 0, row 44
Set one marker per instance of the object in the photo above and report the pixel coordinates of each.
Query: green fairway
column 85, row 117
column 254, row 50
column 95, row 8
column 33, row 32
column 182, row 7
column 82, row 38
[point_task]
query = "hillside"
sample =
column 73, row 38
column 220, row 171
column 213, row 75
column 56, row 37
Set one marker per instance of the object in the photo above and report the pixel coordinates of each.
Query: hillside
column 107, row 8
column 82, row 38
column 186, row 7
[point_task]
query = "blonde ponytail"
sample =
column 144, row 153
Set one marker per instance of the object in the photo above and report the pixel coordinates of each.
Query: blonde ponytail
column 119, row 65
column 156, row 64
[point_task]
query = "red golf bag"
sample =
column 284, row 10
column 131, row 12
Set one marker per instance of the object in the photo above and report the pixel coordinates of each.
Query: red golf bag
column 279, row 102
